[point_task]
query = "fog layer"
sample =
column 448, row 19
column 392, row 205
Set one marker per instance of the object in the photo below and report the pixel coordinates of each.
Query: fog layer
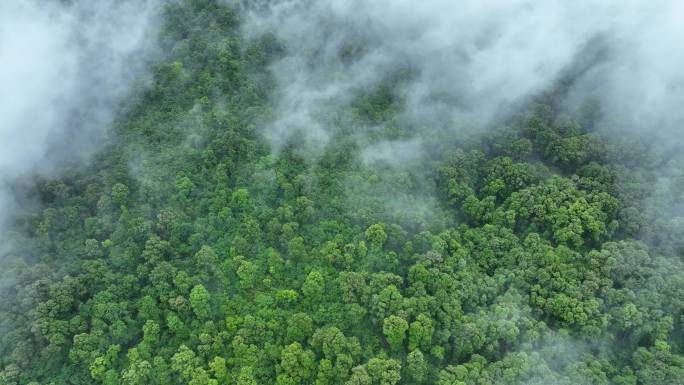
column 64, row 66
column 474, row 61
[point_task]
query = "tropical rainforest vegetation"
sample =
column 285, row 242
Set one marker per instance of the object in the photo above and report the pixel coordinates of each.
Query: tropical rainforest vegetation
column 190, row 251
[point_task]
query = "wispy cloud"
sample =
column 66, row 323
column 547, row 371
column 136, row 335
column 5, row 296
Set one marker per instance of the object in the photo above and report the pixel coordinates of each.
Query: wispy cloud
column 64, row 66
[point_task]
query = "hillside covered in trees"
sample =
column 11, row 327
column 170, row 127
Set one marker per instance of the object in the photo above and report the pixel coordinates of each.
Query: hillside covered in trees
column 193, row 249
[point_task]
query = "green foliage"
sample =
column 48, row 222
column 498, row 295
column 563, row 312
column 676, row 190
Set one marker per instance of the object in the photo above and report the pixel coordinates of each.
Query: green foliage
column 416, row 368
column 190, row 252
column 199, row 301
column 394, row 329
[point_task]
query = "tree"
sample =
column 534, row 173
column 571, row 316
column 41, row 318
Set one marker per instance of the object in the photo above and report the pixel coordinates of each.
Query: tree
column 297, row 366
column 246, row 376
column 120, row 194
column 384, row 371
column 299, row 328
column 420, row 333
column 218, row 368
column 376, row 235
column 199, row 301
column 416, row 367
column 314, row 287
column 247, row 272
column 207, row 260
column 394, row 329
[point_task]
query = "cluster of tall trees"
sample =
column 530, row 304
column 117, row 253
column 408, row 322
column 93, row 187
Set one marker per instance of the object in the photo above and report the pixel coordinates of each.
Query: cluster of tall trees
column 188, row 252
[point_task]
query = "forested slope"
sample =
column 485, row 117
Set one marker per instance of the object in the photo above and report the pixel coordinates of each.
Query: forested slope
column 190, row 251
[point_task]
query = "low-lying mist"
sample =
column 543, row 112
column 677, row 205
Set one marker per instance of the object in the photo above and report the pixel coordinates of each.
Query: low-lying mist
column 64, row 68
column 473, row 62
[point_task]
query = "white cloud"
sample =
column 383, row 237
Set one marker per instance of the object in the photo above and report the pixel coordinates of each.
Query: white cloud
column 63, row 68
column 481, row 57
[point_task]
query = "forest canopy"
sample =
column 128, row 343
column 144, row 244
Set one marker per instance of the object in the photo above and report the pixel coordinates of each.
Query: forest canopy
column 217, row 237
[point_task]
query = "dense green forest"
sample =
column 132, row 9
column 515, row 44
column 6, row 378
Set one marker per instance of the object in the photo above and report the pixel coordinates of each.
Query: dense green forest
column 190, row 251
